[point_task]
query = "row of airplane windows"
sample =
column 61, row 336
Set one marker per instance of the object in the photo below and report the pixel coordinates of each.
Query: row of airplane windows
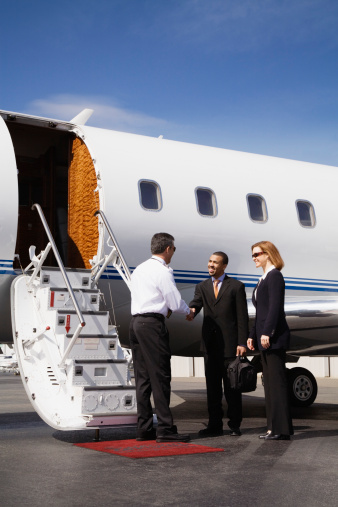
column 206, row 203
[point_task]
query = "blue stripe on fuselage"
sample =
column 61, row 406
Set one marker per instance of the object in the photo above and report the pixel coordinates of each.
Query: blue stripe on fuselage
column 195, row 277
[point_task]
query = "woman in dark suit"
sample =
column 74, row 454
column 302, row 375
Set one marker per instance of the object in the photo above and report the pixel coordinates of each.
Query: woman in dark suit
column 271, row 335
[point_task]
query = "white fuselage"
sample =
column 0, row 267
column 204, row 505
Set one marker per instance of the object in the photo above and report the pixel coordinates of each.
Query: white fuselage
column 122, row 161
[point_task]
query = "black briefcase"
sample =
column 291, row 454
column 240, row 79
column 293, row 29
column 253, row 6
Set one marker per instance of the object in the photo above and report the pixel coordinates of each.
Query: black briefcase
column 242, row 375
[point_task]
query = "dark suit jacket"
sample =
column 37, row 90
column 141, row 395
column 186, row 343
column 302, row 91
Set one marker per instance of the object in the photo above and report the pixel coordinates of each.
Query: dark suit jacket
column 268, row 298
column 225, row 322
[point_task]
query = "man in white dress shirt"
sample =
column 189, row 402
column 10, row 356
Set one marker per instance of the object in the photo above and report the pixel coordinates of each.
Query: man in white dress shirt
column 154, row 295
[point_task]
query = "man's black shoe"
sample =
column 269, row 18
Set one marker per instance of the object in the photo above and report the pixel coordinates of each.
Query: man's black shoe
column 146, row 435
column 235, row 432
column 173, row 437
column 277, row 437
column 211, row 432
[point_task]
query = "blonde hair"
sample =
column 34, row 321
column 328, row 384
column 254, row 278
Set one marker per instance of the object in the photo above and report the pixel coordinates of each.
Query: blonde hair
column 273, row 253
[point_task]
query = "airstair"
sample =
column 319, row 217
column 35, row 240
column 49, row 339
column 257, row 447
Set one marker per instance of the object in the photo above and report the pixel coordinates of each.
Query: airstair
column 73, row 367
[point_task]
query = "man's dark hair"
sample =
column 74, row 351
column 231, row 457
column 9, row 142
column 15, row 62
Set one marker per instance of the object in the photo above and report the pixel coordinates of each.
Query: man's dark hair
column 160, row 241
column 224, row 256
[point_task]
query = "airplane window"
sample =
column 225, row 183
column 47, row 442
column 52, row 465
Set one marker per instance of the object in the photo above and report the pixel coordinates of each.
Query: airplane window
column 150, row 195
column 306, row 213
column 206, row 202
column 257, row 208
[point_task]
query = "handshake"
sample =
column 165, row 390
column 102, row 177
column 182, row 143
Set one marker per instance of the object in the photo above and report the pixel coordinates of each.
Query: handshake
column 191, row 315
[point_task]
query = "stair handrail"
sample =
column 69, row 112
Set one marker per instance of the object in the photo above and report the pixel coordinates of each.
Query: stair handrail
column 125, row 272
column 60, row 264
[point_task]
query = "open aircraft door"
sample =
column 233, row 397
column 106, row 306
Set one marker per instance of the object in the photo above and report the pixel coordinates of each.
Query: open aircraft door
column 8, row 226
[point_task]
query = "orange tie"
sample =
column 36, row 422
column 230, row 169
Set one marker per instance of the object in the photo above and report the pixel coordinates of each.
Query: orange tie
column 216, row 282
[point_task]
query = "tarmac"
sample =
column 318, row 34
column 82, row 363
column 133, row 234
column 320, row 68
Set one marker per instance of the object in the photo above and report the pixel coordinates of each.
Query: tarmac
column 41, row 467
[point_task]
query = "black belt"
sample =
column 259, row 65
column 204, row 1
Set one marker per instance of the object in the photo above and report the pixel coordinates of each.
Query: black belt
column 158, row 316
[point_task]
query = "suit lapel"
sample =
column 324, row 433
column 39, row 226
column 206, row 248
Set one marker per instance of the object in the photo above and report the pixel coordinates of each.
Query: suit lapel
column 210, row 289
column 254, row 296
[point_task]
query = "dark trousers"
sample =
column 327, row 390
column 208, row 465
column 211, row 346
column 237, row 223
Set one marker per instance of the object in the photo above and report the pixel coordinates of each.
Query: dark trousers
column 149, row 341
column 216, row 379
column 276, row 392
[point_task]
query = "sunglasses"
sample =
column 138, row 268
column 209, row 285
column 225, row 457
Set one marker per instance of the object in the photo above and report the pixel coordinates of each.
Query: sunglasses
column 257, row 254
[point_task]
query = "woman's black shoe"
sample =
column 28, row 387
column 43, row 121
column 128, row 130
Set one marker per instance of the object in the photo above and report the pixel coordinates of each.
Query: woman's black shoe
column 266, row 434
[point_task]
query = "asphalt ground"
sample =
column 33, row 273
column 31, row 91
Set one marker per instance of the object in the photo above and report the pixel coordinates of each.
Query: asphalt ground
column 41, row 467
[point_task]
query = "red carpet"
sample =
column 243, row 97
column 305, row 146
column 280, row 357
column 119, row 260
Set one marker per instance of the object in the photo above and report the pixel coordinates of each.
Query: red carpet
column 147, row 449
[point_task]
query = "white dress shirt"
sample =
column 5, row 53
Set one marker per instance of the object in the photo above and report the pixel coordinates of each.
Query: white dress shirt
column 153, row 289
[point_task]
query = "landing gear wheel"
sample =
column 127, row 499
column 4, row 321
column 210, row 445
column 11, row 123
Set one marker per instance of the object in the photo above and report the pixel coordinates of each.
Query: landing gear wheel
column 302, row 387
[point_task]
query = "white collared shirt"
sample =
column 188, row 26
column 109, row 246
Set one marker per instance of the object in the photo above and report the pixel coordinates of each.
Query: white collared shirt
column 153, row 289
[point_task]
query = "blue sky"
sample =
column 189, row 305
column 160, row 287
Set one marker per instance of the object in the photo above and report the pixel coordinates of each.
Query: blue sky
column 251, row 75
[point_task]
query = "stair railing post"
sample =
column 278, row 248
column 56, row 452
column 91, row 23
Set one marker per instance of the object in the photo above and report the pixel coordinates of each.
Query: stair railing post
column 60, row 263
column 124, row 273
column 38, row 266
column 70, row 346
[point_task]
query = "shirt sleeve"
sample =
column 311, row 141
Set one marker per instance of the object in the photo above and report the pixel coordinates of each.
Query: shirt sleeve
column 197, row 302
column 171, row 294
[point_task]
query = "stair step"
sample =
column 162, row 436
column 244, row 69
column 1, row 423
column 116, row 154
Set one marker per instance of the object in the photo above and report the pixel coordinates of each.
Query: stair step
column 99, row 361
column 59, row 298
column 114, row 420
column 66, row 321
column 101, row 336
column 110, row 388
column 93, row 347
column 85, row 312
column 95, row 373
column 64, row 289
column 52, row 276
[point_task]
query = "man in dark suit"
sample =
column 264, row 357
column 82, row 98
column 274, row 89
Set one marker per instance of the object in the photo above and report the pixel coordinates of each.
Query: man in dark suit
column 224, row 336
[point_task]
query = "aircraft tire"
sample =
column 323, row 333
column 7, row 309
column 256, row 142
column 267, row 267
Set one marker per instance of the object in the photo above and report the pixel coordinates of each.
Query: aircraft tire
column 302, row 387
